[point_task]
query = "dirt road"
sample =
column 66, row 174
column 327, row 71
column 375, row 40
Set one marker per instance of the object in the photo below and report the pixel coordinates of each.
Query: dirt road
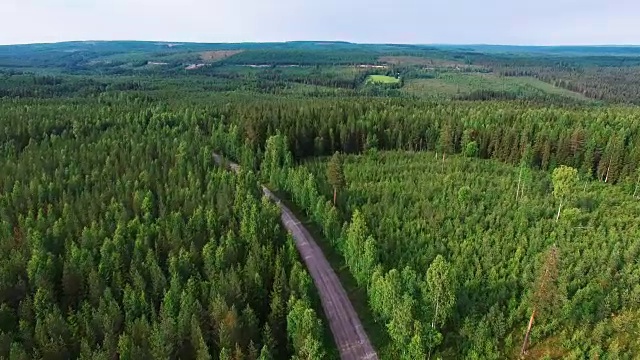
column 344, row 323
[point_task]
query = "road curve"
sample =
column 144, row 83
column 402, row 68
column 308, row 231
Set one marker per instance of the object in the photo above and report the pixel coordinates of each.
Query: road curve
column 349, row 336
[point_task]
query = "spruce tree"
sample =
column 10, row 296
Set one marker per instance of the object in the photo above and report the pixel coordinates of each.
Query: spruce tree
column 335, row 174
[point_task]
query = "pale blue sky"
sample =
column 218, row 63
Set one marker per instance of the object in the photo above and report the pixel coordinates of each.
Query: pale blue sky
column 542, row 22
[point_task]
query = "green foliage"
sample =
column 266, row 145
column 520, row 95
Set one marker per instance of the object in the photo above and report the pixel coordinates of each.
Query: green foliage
column 359, row 249
column 471, row 149
column 305, row 331
column 412, row 204
column 383, row 79
column 440, row 290
column 335, row 171
column 277, row 159
column 121, row 238
column 565, row 181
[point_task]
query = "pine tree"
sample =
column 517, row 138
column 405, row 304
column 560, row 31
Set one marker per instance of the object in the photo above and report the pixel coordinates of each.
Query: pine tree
column 197, row 341
column 265, row 354
column 225, row 354
column 335, row 174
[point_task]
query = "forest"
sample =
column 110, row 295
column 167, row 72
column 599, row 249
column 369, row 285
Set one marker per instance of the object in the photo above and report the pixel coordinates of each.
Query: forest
column 482, row 205
column 120, row 237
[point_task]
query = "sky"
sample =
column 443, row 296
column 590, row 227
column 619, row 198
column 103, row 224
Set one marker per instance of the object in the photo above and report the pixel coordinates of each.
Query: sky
column 515, row 22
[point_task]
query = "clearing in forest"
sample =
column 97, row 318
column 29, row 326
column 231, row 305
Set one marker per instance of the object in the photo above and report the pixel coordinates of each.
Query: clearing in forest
column 218, row 55
column 382, row 79
column 465, row 83
column 417, row 60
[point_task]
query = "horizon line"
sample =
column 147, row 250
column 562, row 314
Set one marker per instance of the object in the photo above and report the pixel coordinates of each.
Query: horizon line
column 317, row 41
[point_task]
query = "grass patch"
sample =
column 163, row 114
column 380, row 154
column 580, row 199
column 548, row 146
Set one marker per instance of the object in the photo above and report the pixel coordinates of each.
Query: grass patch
column 382, row 79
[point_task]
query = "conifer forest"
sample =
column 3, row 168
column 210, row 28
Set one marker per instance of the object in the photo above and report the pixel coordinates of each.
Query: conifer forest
column 475, row 202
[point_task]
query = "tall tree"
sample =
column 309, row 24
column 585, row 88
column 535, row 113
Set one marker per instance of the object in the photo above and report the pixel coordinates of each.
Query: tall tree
column 197, row 341
column 564, row 179
column 524, row 173
column 547, row 293
column 441, row 291
column 277, row 159
column 335, row 174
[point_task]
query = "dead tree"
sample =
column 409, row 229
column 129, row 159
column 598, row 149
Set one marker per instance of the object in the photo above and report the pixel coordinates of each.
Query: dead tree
column 546, row 291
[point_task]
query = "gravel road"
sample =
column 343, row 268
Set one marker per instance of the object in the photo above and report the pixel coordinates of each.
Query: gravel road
column 344, row 323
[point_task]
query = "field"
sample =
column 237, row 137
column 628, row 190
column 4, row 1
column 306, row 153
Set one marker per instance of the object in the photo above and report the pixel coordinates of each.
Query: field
column 382, row 79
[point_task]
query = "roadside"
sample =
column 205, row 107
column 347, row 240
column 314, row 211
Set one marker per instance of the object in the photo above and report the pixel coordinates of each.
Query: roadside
column 348, row 332
column 357, row 295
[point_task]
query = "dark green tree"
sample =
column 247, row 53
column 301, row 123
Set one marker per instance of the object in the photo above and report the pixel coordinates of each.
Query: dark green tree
column 335, row 174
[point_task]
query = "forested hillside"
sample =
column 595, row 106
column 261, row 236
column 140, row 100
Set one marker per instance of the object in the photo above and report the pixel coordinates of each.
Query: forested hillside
column 466, row 191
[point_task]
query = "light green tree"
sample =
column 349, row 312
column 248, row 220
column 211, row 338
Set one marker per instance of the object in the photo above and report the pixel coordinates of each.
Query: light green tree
column 277, row 159
column 565, row 179
column 305, row 331
column 353, row 247
column 441, row 291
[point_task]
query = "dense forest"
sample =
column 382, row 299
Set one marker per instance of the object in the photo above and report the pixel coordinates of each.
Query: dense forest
column 492, row 225
column 120, row 236
column 603, row 142
column 488, row 188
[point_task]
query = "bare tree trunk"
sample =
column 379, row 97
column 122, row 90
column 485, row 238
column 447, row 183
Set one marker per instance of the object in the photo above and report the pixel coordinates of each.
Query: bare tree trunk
column 518, row 190
column 433, row 322
column 608, row 168
column 526, row 335
column 335, row 195
column 635, row 191
column 443, row 155
column 559, row 207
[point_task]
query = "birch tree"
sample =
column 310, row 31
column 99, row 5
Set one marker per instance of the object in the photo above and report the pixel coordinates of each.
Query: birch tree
column 565, row 179
column 441, row 290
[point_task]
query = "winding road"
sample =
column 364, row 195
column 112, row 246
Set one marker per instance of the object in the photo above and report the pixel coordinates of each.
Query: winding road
column 349, row 336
